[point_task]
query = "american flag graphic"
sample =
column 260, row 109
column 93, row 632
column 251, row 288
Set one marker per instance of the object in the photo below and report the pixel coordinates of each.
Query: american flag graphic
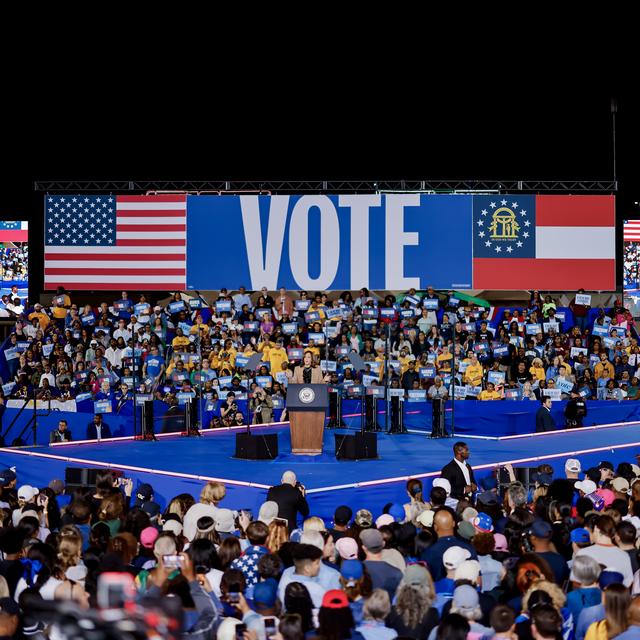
column 109, row 242
column 632, row 230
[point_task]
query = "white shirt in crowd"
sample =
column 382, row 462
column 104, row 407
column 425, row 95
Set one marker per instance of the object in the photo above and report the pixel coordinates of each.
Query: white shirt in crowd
column 124, row 333
column 465, row 470
column 50, row 377
column 114, row 356
column 30, row 331
column 240, row 299
column 609, row 556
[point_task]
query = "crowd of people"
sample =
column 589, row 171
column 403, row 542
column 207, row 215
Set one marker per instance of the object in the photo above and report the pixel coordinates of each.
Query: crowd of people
column 15, row 261
column 630, row 265
column 464, row 559
column 432, row 345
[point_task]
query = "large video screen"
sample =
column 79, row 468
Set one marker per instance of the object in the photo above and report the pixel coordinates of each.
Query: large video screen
column 392, row 241
column 631, row 255
column 14, row 246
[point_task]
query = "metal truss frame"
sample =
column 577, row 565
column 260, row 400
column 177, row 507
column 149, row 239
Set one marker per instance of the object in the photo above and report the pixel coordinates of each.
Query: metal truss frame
column 327, row 186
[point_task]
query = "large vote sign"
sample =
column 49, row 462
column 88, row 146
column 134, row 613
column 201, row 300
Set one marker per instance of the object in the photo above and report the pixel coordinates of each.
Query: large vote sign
column 330, row 242
column 322, row 242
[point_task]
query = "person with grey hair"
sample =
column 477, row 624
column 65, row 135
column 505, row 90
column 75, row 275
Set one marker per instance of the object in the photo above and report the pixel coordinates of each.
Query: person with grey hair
column 437, row 390
column 290, row 498
column 586, row 571
column 413, row 614
column 375, row 612
column 517, row 496
column 466, row 602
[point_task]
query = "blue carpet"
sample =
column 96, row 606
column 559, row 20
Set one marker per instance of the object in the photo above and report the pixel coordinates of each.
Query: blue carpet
column 324, row 476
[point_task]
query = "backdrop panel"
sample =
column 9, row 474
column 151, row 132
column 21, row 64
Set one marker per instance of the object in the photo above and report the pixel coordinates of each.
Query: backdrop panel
column 330, row 242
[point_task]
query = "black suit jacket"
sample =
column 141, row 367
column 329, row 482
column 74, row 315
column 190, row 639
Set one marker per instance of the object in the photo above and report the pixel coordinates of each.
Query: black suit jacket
column 92, row 433
column 59, row 436
column 544, row 420
column 290, row 502
column 453, row 473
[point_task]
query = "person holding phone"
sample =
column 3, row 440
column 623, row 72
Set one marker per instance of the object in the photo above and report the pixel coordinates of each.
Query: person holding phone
column 262, row 407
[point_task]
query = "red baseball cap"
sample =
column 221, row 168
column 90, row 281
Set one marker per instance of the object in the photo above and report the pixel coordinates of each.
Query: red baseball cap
column 335, row 599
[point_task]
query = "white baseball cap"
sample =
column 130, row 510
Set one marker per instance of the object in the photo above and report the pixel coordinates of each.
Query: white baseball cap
column 586, row 486
column 444, row 483
column 173, row 526
column 27, row 493
column 573, row 465
column 453, row 557
column 426, row 518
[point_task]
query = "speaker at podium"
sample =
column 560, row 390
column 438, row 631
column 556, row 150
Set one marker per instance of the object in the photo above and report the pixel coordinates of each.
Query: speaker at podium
column 307, row 405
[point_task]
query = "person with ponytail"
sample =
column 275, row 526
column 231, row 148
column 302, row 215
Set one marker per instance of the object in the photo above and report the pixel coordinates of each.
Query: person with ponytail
column 416, row 505
column 39, row 572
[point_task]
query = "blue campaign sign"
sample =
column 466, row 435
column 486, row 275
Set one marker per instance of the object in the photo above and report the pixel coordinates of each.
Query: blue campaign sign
column 320, row 242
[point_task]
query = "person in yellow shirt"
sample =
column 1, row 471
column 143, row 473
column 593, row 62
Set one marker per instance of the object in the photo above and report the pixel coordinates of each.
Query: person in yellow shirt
column 214, row 357
column 604, row 369
column 489, row 393
column 474, row 373
column 381, row 360
column 404, row 359
column 228, row 355
column 60, row 305
column 199, row 326
column 174, row 364
column 444, row 360
column 314, row 350
column 248, row 350
column 320, row 306
column 274, row 354
column 180, row 341
column 537, row 370
column 42, row 317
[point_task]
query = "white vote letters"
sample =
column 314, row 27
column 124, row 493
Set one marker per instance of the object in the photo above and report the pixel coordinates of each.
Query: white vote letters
column 266, row 259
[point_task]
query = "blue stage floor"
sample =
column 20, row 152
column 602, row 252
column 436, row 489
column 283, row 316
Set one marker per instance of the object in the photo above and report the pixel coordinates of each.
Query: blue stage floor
column 173, row 464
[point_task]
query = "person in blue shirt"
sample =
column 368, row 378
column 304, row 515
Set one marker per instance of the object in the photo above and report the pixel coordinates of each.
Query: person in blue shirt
column 124, row 306
column 633, row 631
column 586, row 571
column 154, row 365
column 444, row 524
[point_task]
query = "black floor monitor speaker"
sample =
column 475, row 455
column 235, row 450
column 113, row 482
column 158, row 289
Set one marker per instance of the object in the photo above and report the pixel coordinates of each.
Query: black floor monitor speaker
column 78, row 477
column 251, row 447
column 360, row 446
column 526, row 475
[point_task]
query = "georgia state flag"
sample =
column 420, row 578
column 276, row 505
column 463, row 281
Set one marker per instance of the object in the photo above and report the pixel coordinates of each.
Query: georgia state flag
column 14, row 231
column 543, row 242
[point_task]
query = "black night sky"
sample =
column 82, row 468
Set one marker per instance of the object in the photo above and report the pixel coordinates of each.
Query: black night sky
column 560, row 137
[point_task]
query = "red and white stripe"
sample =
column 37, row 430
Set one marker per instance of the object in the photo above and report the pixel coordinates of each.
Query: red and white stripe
column 632, row 230
column 575, row 247
column 150, row 250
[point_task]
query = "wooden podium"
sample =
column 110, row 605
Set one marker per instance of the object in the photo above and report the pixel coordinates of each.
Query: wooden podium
column 307, row 405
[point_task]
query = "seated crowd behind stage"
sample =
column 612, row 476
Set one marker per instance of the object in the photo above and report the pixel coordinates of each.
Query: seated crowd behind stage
column 456, row 560
column 69, row 350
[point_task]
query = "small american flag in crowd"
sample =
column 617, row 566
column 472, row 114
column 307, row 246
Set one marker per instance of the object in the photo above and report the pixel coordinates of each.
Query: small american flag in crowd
column 632, row 230
column 109, row 242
